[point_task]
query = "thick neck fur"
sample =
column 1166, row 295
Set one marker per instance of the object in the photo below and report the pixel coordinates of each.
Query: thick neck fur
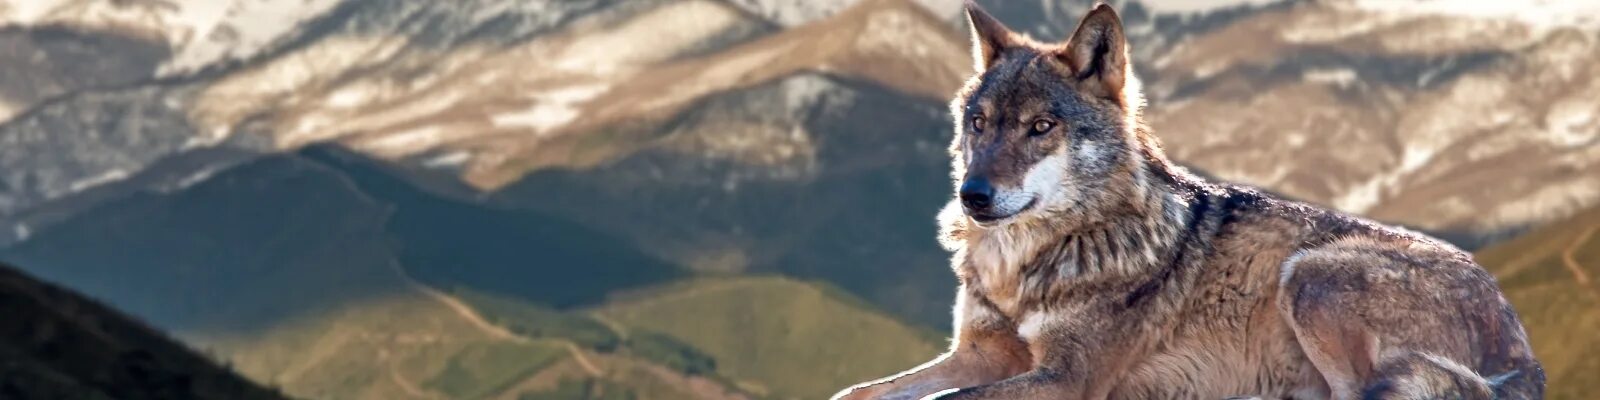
column 1025, row 259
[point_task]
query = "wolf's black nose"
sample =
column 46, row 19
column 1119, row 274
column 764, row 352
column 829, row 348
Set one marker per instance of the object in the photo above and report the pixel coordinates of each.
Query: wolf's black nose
column 976, row 193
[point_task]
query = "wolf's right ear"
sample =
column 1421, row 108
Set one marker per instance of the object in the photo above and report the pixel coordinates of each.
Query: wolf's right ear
column 989, row 37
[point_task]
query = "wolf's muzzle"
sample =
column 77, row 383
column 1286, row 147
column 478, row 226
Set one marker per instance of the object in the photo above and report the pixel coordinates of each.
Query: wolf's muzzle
column 977, row 194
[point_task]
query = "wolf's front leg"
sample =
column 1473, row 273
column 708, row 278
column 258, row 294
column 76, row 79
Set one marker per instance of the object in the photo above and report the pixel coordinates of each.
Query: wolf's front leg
column 1083, row 348
column 986, row 349
column 1053, row 380
column 1036, row 384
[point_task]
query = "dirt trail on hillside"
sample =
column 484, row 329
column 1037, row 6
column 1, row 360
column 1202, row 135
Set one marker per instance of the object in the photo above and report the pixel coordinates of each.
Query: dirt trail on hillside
column 471, row 316
column 1569, row 259
column 401, row 381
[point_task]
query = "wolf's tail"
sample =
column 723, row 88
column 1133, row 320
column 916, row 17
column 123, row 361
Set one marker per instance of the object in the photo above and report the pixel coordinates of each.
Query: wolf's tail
column 1417, row 375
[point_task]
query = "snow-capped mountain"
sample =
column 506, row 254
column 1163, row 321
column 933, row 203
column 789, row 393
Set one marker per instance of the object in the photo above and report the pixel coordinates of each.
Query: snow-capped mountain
column 1441, row 119
column 196, row 32
column 495, row 89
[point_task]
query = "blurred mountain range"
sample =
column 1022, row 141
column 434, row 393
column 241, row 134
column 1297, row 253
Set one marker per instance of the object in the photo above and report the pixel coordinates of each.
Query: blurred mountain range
column 609, row 199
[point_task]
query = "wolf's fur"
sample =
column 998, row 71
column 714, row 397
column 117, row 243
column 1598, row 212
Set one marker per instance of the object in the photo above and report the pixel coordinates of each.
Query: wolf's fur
column 1101, row 270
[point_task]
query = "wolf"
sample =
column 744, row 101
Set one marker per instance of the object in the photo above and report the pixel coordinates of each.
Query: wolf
column 1092, row 267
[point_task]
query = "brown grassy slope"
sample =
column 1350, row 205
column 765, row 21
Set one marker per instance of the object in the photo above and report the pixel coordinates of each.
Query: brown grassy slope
column 1548, row 274
column 57, row 344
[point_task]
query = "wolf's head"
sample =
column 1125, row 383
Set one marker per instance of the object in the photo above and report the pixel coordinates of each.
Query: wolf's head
column 1049, row 130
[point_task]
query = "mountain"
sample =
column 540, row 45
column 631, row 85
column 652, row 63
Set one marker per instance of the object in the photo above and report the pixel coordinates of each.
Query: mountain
column 428, row 344
column 192, row 33
column 416, row 294
column 783, row 129
column 1407, row 116
column 339, row 320
column 423, row 83
column 121, row 132
column 1549, row 275
column 55, row 343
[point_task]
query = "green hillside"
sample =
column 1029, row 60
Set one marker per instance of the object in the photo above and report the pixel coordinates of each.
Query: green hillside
column 779, row 337
column 315, row 272
column 431, row 345
column 615, row 345
column 1549, row 276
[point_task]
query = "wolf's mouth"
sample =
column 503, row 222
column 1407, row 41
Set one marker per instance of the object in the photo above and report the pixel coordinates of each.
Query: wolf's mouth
column 983, row 217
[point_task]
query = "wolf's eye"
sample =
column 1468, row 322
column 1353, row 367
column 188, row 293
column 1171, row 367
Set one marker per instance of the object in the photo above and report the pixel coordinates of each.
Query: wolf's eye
column 1042, row 126
column 977, row 123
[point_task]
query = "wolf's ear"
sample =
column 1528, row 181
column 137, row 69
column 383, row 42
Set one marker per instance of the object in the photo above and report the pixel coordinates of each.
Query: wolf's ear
column 1098, row 53
column 989, row 37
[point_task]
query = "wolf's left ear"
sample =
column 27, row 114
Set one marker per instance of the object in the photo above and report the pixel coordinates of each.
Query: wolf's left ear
column 1098, row 53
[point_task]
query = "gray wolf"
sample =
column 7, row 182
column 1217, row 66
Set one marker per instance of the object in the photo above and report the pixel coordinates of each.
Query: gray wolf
column 1092, row 267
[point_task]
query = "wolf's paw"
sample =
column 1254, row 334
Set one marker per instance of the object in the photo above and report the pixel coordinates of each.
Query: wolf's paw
column 941, row 394
column 860, row 393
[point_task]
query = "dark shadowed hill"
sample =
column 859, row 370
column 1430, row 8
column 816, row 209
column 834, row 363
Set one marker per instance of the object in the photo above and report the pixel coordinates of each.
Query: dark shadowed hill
column 56, row 344
column 274, row 238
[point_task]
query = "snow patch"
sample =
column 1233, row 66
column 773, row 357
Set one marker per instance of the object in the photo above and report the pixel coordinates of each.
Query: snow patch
column 1199, row 6
column 419, row 138
column 97, row 180
column 540, row 118
column 195, row 178
column 1331, row 31
column 7, row 110
column 349, row 97
column 1360, row 198
column 26, row 12
column 218, row 31
column 1572, row 123
column 1338, row 76
column 198, row 141
column 790, row 12
column 551, row 109
column 573, row 94
column 653, row 36
column 201, row 32
column 1540, row 14
column 448, row 160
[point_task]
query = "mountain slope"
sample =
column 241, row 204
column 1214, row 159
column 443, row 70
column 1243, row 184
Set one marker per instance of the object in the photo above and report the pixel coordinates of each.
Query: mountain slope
column 58, row 344
column 462, row 108
column 1403, row 117
column 48, row 61
column 355, row 326
column 781, row 177
column 781, row 338
column 252, row 235
column 471, row 88
column 424, row 344
column 192, row 33
column 1549, row 275
column 298, row 269
column 371, row 65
